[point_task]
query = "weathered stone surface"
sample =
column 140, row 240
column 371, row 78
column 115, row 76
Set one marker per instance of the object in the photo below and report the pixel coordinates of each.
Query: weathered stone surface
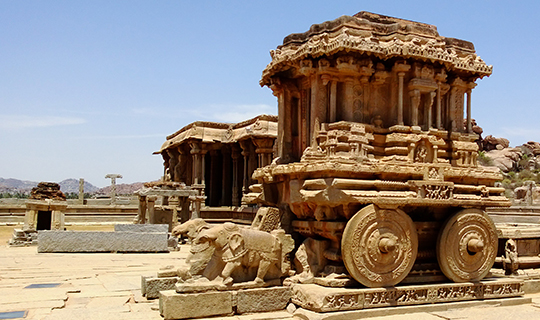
column 263, row 299
column 319, row 299
column 150, row 287
column 142, row 227
column 174, row 305
column 88, row 241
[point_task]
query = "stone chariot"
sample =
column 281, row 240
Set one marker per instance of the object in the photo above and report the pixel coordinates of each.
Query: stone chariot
column 376, row 153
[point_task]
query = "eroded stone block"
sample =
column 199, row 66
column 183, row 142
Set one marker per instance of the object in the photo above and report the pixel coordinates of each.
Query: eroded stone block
column 150, row 287
column 174, row 305
column 263, row 299
column 99, row 241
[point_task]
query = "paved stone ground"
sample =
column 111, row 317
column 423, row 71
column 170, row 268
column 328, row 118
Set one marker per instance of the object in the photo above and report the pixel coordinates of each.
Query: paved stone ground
column 106, row 286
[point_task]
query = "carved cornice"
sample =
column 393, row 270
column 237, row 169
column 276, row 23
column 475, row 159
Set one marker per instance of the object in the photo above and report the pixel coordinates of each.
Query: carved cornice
column 365, row 34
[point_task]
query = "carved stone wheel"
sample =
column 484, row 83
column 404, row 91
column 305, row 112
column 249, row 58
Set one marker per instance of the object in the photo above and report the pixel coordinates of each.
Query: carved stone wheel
column 467, row 246
column 379, row 246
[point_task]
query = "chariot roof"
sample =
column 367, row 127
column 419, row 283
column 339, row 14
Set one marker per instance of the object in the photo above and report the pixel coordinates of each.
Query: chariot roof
column 370, row 34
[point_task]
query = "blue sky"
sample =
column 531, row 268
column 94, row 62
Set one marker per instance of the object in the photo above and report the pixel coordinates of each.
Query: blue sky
column 89, row 88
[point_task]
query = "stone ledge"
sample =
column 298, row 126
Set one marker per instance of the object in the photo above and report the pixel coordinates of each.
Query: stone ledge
column 173, row 305
column 151, row 286
column 100, row 241
column 316, row 298
column 141, row 227
column 303, row 314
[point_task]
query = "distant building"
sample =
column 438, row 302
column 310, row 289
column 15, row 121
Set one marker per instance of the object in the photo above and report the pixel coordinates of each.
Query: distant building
column 221, row 156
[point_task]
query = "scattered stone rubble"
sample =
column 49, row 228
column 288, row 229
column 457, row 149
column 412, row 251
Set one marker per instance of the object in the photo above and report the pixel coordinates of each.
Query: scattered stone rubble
column 47, row 190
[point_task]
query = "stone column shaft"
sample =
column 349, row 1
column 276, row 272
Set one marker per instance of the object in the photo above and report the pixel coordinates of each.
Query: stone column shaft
column 141, row 212
column 30, row 220
column 333, row 101
column 151, row 209
column 438, row 120
column 469, row 112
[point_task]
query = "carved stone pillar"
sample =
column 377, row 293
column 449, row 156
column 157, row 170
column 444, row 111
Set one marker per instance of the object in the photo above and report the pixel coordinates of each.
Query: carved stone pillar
column 57, row 222
column 174, row 157
column 470, row 86
column 264, row 150
column 429, row 108
column 469, row 112
column 235, row 154
column 141, row 212
column 30, row 219
column 415, row 104
column 440, row 78
column 81, row 191
column 213, row 183
column 278, row 91
column 333, row 101
column 401, row 70
column 198, row 151
column 458, row 88
column 244, row 144
column 151, row 209
column 226, row 175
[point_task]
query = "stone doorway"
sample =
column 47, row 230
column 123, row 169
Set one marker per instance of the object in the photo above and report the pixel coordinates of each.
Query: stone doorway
column 44, row 219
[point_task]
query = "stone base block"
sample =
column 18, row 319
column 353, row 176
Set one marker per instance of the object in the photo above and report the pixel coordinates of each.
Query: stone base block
column 97, row 241
column 150, row 286
column 262, row 300
column 174, row 305
column 316, row 298
column 141, row 228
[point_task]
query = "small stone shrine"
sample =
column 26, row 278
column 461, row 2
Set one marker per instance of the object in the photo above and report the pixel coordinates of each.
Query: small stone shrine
column 375, row 177
column 44, row 211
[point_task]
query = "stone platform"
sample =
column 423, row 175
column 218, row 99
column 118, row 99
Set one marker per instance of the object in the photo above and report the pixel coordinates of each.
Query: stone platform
column 318, row 299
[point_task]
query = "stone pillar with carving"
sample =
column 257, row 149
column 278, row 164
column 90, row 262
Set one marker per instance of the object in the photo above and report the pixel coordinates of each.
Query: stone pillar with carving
column 235, row 155
column 470, row 86
column 415, row 104
column 457, row 90
column 30, row 219
column 278, row 91
column 245, row 145
column 151, row 200
column 401, row 69
column 57, row 222
column 141, row 212
column 113, row 178
column 198, row 152
column 81, row 191
column 264, row 150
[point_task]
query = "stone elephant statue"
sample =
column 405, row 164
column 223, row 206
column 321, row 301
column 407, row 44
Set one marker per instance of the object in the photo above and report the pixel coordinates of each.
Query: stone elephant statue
column 242, row 249
column 190, row 228
column 200, row 253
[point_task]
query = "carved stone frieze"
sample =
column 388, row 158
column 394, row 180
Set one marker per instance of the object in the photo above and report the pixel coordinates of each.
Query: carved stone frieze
column 315, row 298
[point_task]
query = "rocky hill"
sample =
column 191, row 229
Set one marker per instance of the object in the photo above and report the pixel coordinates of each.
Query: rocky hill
column 121, row 189
column 24, row 187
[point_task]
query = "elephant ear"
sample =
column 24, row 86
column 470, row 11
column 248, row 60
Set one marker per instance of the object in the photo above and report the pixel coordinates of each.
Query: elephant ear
column 236, row 241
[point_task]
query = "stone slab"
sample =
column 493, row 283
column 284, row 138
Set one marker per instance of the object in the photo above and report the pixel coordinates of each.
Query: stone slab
column 319, row 299
column 262, row 300
column 101, row 241
column 142, row 227
column 174, row 305
column 417, row 312
column 150, row 287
